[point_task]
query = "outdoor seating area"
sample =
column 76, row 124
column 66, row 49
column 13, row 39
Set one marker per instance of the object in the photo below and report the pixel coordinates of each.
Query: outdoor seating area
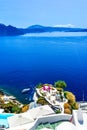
column 52, row 96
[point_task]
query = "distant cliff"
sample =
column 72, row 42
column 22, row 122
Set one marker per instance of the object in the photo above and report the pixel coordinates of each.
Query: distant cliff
column 13, row 31
column 9, row 31
column 39, row 28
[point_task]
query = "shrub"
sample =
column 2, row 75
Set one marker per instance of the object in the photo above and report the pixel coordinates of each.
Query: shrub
column 59, row 89
column 11, row 108
column 25, row 108
column 75, row 105
column 67, row 105
column 67, row 111
column 42, row 101
column 60, row 84
column 39, row 85
column 58, row 111
column 16, row 109
column 70, row 96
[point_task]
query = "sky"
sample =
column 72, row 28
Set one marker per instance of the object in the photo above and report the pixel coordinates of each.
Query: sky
column 24, row 13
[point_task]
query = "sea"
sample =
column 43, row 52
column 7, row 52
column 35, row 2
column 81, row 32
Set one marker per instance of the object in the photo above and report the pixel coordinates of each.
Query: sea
column 26, row 61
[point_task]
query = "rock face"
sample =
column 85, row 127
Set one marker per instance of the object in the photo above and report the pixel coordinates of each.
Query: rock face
column 9, row 30
column 13, row 31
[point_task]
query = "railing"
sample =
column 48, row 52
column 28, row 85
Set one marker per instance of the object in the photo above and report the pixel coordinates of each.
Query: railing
column 50, row 119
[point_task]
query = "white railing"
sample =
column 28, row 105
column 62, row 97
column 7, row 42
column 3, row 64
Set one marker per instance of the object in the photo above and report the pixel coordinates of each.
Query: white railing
column 51, row 119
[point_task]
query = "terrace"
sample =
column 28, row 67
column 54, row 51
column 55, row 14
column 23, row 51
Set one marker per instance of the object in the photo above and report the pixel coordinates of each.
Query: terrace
column 52, row 96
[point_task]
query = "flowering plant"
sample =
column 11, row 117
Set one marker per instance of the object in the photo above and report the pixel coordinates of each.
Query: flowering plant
column 46, row 87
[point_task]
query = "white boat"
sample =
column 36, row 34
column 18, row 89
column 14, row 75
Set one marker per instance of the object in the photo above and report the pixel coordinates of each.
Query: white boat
column 25, row 90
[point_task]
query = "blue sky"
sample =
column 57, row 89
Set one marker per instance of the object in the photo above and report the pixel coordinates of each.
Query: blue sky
column 23, row 13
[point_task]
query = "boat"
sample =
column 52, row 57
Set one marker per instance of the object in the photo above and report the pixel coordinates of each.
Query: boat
column 25, row 90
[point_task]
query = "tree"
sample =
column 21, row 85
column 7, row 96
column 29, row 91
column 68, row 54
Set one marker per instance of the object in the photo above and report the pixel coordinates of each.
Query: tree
column 42, row 101
column 60, row 84
column 71, row 100
column 70, row 96
column 75, row 106
column 39, row 85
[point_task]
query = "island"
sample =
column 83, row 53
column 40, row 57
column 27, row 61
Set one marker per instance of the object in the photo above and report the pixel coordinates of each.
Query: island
column 14, row 31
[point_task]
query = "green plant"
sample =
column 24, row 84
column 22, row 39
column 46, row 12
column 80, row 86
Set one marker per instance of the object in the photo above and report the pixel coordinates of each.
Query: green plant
column 39, row 85
column 70, row 96
column 42, row 101
column 58, row 111
column 75, row 106
column 11, row 108
column 60, row 84
column 16, row 109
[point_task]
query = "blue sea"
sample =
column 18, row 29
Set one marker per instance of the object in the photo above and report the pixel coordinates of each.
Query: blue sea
column 28, row 60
